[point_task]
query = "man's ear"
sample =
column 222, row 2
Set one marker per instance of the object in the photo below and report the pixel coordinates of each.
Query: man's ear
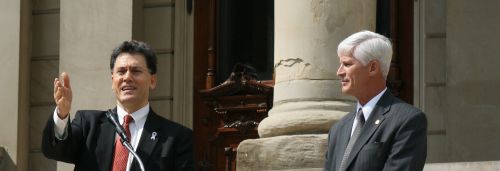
column 374, row 67
column 112, row 80
column 153, row 82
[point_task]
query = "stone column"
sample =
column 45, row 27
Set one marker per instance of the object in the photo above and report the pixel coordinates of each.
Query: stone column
column 307, row 94
column 14, row 80
column 182, row 105
column 89, row 31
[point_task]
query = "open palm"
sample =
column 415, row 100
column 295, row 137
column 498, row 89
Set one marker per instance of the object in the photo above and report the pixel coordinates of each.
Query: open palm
column 63, row 95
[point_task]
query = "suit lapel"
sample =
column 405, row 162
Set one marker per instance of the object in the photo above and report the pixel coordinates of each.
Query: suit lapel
column 344, row 138
column 105, row 143
column 149, row 139
column 383, row 106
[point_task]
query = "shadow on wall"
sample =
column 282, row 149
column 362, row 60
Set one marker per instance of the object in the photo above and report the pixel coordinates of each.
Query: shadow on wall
column 6, row 163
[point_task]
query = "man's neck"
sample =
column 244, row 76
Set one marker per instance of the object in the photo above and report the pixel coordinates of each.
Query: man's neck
column 370, row 94
column 131, row 108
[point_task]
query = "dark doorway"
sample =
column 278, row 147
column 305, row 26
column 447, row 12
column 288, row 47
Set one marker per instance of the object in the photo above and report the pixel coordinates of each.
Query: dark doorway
column 226, row 33
column 245, row 35
column 395, row 20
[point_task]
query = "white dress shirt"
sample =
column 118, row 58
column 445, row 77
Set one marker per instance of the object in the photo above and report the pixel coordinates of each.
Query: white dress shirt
column 135, row 127
column 367, row 108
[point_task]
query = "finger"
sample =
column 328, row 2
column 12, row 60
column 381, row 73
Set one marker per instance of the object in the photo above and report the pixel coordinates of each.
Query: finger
column 62, row 102
column 55, row 84
column 58, row 95
column 66, row 81
column 64, row 92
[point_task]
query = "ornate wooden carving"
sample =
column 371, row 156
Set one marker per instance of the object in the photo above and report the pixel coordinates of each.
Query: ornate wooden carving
column 237, row 105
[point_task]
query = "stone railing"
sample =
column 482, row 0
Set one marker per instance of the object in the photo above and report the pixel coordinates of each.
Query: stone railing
column 452, row 166
column 464, row 166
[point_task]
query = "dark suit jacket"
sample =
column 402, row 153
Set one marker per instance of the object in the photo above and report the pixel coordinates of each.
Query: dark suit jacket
column 91, row 137
column 398, row 142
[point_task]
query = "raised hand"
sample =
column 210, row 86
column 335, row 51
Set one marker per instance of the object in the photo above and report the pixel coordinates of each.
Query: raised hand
column 63, row 95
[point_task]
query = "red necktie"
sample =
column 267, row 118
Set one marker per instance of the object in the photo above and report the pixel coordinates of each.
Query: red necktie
column 121, row 153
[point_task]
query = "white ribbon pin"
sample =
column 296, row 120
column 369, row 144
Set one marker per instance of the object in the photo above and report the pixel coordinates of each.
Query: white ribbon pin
column 153, row 136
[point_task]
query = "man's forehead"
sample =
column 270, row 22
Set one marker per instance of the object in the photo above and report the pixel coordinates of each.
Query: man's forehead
column 130, row 58
column 346, row 58
column 129, row 64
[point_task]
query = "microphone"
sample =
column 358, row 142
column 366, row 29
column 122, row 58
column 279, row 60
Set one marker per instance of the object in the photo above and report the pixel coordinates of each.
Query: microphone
column 119, row 129
column 123, row 137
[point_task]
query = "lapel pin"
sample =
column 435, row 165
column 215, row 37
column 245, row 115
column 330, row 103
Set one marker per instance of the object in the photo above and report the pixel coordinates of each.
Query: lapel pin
column 377, row 122
column 153, row 136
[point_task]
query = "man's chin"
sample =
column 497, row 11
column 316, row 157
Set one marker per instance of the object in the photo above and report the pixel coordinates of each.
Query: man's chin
column 345, row 90
column 127, row 100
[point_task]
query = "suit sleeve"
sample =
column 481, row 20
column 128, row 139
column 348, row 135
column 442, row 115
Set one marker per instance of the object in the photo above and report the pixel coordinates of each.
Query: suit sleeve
column 184, row 160
column 67, row 149
column 409, row 150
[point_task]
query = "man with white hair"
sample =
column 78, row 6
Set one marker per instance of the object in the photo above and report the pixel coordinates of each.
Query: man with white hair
column 383, row 133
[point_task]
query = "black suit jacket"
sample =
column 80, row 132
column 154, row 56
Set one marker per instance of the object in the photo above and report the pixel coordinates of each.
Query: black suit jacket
column 91, row 137
column 393, row 138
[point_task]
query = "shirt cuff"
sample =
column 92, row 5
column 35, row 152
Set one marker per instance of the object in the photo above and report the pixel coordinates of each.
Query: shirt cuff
column 60, row 127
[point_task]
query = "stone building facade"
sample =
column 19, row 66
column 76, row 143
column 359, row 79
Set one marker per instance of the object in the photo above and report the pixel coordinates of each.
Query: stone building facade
column 456, row 75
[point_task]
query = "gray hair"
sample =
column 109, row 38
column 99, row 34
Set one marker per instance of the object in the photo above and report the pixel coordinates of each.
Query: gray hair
column 366, row 46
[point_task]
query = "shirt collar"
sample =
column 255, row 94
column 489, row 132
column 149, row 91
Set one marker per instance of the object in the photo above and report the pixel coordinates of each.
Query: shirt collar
column 139, row 116
column 368, row 107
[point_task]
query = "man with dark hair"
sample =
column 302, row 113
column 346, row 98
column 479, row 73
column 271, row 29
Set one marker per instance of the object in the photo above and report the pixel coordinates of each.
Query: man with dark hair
column 135, row 47
column 383, row 133
column 90, row 141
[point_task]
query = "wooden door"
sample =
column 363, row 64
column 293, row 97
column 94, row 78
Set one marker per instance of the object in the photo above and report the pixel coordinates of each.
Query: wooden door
column 395, row 20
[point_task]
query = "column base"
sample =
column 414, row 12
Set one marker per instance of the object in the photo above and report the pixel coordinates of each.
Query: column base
column 303, row 117
column 291, row 152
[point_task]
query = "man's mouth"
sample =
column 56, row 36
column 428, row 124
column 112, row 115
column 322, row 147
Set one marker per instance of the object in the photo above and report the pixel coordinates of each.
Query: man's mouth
column 128, row 88
column 344, row 81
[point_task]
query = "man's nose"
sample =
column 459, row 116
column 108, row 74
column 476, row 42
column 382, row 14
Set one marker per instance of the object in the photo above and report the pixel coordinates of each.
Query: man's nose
column 340, row 71
column 127, row 76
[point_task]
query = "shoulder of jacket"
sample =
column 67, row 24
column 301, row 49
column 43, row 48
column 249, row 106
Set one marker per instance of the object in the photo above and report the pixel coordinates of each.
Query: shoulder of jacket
column 89, row 113
column 172, row 125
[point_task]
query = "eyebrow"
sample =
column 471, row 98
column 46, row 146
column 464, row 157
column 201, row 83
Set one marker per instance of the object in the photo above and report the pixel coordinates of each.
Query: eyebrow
column 132, row 67
column 345, row 60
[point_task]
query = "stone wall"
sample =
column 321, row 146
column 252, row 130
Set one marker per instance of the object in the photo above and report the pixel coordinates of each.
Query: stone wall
column 457, row 77
column 473, row 80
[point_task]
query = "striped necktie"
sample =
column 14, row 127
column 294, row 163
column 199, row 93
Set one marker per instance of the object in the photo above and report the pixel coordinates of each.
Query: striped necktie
column 121, row 153
column 360, row 119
